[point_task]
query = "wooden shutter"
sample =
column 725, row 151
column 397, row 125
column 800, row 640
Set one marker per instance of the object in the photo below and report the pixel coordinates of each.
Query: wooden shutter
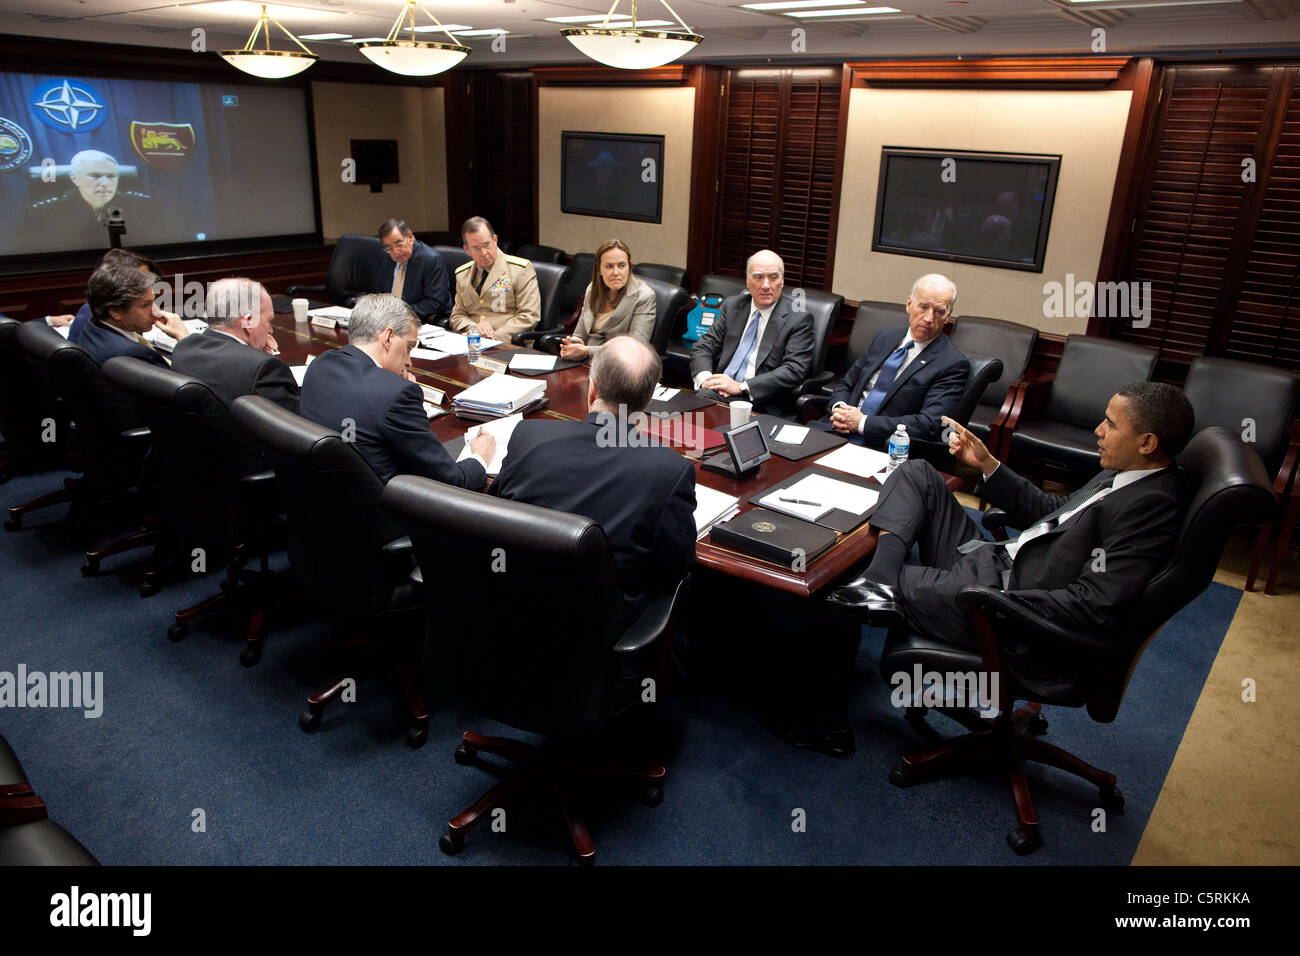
column 777, row 173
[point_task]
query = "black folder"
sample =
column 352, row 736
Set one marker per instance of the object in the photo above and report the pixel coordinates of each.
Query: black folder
column 814, row 443
column 774, row 537
column 559, row 362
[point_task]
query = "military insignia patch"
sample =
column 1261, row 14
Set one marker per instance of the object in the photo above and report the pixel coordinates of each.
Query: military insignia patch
column 163, row 146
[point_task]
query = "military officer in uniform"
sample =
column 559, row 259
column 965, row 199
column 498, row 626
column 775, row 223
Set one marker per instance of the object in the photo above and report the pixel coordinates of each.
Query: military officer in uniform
column 495, row 292
column 77, row 217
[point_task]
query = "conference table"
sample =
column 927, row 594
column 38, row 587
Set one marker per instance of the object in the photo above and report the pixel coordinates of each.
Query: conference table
column 566, row 392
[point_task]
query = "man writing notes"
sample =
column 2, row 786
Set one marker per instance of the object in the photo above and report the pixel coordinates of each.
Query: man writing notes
column 237, row 355
column 1129, row 513
column 418, row 275
column 911, row 377
column 759, row 349
column 495, row 292
column 643, row 496
column 366, row 391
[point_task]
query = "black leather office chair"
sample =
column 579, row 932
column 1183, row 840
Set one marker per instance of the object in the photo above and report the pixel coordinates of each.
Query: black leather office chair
column 216, row 490
column 347, row 552
column 353, row 271
column 1052, row 422
column 677, row 356
column 825, row 310
column 1258, row 402
column 669, row 302
column 454, row 257
column 725, row 286
column 551, row 278
column 570, row 296
column 1010, row 341
column 29, row 409
column 546, row 665
column 672, row 275
column 1228, row 487
column 984, row 370
column 871, row 318
column 28, row 837
column 535, row 253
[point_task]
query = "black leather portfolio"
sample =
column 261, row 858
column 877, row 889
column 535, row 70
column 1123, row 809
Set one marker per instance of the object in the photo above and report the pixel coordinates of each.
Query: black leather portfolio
column 774, row 537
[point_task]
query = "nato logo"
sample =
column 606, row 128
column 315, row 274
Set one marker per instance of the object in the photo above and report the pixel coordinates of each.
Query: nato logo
column 72, row 106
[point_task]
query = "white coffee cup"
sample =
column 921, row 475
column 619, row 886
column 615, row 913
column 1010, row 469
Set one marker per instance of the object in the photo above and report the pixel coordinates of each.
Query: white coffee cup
column 300, row 310
column 740, row 413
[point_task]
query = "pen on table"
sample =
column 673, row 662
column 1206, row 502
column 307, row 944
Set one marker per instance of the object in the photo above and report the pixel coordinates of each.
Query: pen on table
column 799, row 501
column 772, row 433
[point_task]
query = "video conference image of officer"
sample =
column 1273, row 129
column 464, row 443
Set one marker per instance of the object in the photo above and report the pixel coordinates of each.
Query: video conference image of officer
column 80, row 214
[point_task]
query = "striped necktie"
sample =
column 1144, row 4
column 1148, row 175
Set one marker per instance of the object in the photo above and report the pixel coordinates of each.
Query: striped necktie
column 739, row 363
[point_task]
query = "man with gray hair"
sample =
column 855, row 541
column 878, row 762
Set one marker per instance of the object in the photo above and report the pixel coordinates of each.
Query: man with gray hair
column 418, row 275
column 642, row 495
column 77, row 215
column 121, row 301
column 237, row 355
column 910, row 377
column 367, row 392
column 759, row 349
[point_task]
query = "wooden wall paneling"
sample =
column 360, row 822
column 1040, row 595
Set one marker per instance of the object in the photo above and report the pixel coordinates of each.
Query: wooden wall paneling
column 701, row 248
column 459, row 118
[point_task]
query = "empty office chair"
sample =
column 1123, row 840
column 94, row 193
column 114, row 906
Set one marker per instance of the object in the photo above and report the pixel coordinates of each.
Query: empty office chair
column 550, row 280
column 726, row 286
column 28, row 837
column 353, row 271
column 1014, row 344
column 673, row 275
column 29, row 410
column 535, row 253
column 565, row 680
column 455, row 257
column 825, row 310
column 1227, row 487
column 570, row 297
column 1258, row 402
column 1052, row 422
column 347, row 552
column 216, row 490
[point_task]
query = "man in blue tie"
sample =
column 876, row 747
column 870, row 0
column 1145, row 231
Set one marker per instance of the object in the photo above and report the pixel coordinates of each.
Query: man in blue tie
column 759, row 349
column 911, row 377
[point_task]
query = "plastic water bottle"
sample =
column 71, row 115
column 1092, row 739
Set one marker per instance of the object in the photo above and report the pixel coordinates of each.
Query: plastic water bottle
column 474, row 340
column 899, row 444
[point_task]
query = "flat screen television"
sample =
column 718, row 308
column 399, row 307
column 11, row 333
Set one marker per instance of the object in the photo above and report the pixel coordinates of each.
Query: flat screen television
column 185, row 163
column 612, row 175
column 376, row 160
column 990, row 209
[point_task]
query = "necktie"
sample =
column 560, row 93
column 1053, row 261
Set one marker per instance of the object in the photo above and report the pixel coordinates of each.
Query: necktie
column 1050, row 522
column 399, row 276
column 740, row 361
column 888, row 372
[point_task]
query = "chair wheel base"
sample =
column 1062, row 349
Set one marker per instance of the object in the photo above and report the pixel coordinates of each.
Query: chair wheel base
column 1037, row 725
column 463, row 756
column 1023, row 843
column 149, row 589
column 450, row 843
column 652, row 796
column 249, row 656
column 13, row 524
column 416, row 737
column 1112, row 801
column 900, row 778
column 308, row 721
column 90, row 569
column 177, row 632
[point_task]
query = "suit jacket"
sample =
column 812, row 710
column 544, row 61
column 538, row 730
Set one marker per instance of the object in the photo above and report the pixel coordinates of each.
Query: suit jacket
column 785, row 353
column 1061, row 574
column 384, row 413
column 642, row 496
column 426, row 288
column 79, row 322
column 104, row 343
column 927, row 389
column 634, row 315
column 232, row 368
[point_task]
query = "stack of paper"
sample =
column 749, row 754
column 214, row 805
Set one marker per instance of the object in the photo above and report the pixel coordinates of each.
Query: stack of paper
column 336, row 312
column 527, row 361
column 856, row 460
column 813, row 496
column 712, row 506
column 500, row 394
column 501, row 430
column 450, row 343
column 161, row 340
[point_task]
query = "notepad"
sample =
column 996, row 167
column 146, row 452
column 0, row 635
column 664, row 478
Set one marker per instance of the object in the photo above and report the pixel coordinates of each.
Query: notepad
column 501, row 430
column 531, row 362
column 453, row 343
column 428, row 354
column 336, row 312
column 665, row 394
column 791, row 434
column 856, row 460
column 822, row 494
column 712, row 506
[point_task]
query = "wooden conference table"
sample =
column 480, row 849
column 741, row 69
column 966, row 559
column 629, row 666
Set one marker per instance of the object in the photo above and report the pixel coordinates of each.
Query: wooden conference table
column 566, row 391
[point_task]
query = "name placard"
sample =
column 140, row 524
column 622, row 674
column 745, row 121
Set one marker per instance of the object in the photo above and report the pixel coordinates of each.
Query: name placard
column 323, row 322
column 488, row 365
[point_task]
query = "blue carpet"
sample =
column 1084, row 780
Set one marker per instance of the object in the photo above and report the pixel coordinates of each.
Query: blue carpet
column 186, row 728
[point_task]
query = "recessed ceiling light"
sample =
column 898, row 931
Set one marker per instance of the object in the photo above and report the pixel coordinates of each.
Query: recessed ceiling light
column 366, row 40
column 587, row 18
column 849, row 12
column 803, row 4
column 465, row 32
column 450, row 27
column 324, row 36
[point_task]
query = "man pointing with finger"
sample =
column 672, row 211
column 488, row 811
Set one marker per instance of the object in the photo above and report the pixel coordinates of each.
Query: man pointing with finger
column 1079, row 560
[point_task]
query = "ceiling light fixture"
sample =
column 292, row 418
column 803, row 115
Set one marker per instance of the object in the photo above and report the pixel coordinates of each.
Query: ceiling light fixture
column 267, row 63
column 414, row 57
column 627, row 47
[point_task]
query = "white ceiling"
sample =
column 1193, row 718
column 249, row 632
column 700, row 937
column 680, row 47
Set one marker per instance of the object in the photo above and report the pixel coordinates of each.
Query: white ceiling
column 731, row 33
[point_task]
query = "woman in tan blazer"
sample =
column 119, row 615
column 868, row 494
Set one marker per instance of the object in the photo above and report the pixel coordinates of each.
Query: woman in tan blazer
column 615, row 303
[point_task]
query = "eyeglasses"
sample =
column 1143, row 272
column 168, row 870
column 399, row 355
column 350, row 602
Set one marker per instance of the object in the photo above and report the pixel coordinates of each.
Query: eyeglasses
column 399, row 244
column 481, row 247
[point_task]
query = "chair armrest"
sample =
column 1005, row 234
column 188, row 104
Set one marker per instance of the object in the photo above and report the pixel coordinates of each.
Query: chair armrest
column 978, row 598
column 257, row 478
column 816, row 385
column 305, row 291
column 542, row 338
column 995, row 519
column 141, row 434
column 654, row 622
column 400, row 545
column 808, row 407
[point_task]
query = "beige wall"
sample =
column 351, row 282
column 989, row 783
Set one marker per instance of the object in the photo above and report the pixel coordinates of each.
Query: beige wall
column 1085, row 128
column 669, row 112
column 412, row 116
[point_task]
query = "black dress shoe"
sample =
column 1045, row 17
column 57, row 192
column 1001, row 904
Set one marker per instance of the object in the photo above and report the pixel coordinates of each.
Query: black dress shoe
column 809, row 735
column 879, row 602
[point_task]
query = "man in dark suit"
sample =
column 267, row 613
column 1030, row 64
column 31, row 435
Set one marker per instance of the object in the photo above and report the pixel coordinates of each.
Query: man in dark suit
column 643, row 496
column 237, row 355
column 759, row 349
column 121, row 301
column 366, row 391
column 910, row 377
column 1080, row 560
column 418, row 277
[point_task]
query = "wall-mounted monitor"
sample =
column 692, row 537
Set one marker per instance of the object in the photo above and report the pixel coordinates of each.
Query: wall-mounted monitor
column 612, row 175
column 990, row 209
column 185, row 163
column 376, row 160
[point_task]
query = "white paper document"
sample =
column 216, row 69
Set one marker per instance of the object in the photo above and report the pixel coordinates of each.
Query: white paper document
column 501, row 393
column 856, row 460
column 429, row 354
column 161, row 340
column 336, row 312
column 452, row 343
column 299, row 373
column 532, row 363
column 791, row 434
column 712, row 506
column 813, row 496
column 665, row 394
column 501, row 430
